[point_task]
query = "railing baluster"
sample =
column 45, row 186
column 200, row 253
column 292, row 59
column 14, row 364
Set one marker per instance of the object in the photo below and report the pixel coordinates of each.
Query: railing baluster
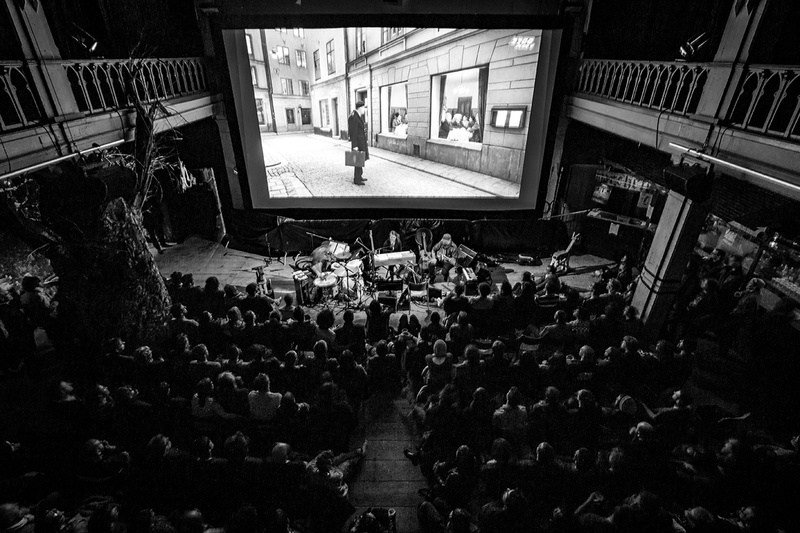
column 783, row 81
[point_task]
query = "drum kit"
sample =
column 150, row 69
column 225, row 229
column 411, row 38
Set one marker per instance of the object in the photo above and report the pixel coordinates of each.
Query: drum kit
column 338, row 274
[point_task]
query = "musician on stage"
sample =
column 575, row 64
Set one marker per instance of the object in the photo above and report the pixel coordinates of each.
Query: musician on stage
column 392, row 244
column 445, row 254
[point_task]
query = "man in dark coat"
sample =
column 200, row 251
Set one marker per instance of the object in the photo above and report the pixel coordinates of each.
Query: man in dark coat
column 358, row 139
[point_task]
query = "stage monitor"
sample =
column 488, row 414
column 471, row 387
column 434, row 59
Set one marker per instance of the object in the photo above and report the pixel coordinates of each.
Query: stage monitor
column 452, row 118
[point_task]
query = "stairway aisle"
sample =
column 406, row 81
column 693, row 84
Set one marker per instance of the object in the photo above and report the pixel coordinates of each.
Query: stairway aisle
column 387, row 478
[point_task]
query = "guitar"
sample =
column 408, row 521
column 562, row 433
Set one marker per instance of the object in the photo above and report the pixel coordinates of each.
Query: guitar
column 441, row 257
column 425, row 257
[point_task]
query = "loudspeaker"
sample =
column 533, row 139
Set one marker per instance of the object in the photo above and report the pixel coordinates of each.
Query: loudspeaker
column 465, row 256
column 694, row 183
column 387, row 286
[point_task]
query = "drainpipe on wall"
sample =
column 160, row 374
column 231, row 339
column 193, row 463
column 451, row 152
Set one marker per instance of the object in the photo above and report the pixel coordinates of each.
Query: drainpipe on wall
column 269, row 78
column 372, row 114
column 346, row 79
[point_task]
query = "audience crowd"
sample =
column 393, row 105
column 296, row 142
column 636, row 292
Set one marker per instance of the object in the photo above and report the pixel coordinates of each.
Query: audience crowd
column 537, row 409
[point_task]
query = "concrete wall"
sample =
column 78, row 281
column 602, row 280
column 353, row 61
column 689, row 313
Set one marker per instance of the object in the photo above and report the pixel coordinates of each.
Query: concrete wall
column 512, row 76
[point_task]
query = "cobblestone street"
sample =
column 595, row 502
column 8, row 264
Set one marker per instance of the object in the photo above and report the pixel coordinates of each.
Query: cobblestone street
column 310, row 165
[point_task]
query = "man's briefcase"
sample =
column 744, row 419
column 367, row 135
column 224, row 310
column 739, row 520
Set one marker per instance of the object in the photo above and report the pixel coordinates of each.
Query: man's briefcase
column 354, row 159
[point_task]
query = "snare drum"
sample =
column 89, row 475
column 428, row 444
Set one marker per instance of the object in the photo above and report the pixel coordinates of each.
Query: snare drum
column 326, row 280
column 338, row 269
column 327, row 284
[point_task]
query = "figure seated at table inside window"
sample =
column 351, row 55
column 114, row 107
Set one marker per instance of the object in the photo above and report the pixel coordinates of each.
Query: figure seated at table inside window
column 458, row 132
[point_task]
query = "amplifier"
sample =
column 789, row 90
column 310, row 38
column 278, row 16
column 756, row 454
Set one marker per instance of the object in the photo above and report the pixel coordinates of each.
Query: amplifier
column 303, row 288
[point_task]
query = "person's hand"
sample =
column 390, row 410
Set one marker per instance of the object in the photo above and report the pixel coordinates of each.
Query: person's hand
column 355, row 149
column 596, row 497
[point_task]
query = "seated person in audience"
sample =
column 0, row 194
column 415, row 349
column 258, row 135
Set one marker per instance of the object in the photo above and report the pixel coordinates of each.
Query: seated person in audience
column 482, row 302
column 288, row 307
column 179, row 323
column 350, row 336
column 434, row 330
column 377, row 322
column 231, row 395
column 233, row 298
column 212, row 299
column 438, row 368
column 511, row 419
column 383, row 370
column 260, row 304
column 201, row 367
column 205, row 407
column 263, row 402
column 454, row 303
column 461, row 334
column 624, row 271
column 100, row 461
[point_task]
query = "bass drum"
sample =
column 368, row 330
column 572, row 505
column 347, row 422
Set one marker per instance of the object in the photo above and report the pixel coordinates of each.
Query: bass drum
column 350, row 287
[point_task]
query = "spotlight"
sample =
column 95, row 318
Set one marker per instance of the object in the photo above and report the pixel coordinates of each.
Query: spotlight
column 83, row 38
column 691, row 47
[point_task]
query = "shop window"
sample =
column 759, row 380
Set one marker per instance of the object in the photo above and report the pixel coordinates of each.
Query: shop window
column 289, row 115
column 394, row 106
column 459, row 105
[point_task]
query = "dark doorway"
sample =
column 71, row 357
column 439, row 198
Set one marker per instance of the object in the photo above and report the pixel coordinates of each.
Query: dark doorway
column 465, row 105
column 335, row 112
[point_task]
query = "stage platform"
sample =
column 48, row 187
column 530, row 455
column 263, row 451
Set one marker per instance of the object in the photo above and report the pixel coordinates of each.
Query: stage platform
column 203, row 258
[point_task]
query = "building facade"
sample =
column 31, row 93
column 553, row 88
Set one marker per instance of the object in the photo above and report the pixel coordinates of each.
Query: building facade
column 329, row 95
column 279, row 67
column 421, row 78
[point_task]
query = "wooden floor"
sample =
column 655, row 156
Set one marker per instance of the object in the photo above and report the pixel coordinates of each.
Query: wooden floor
column 204, row 258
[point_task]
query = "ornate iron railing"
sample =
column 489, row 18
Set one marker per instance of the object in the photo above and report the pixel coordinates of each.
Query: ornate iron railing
column 675, row 87
column 768, row 101
column 19, row 106
column 99, row 85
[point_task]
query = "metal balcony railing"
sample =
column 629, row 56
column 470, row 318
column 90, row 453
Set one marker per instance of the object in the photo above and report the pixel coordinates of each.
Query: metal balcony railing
column 768, row 101
column 19, row 106
column 675, row 87
column 99, row 85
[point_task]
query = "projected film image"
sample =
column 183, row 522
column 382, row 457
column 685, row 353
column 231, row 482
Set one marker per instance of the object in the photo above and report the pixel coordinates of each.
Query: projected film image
column 393, row 112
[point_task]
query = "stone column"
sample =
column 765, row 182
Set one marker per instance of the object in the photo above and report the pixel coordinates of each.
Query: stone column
column 43, row 58
column 673, row 243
